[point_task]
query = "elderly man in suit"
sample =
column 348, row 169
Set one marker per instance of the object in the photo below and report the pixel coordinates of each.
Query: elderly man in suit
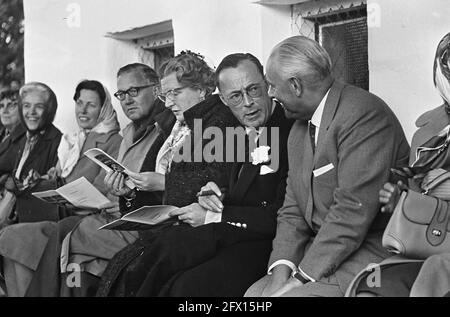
column 340, row 150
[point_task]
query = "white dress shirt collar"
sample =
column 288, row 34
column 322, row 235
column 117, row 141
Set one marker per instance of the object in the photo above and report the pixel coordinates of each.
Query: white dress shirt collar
column 317, row 116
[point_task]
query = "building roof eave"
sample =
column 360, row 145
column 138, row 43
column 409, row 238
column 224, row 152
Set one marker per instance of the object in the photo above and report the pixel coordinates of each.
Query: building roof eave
column 141, row 32
column 279, row 2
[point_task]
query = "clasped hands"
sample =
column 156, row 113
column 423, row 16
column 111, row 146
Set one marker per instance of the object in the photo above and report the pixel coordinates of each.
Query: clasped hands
column 195, row 214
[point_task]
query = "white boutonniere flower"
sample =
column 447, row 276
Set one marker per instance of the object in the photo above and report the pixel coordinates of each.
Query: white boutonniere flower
column 260, row 155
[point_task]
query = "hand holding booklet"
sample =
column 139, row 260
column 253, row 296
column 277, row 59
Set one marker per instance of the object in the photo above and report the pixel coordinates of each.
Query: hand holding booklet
column 143, row 218
column 108, row 163
column 80, row 193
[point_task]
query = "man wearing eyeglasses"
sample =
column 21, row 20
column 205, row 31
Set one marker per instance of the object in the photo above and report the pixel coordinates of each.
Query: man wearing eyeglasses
column 136, row 94
column 150, row 124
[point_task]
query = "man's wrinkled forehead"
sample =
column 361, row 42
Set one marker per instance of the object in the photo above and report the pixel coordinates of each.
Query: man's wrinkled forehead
column 133, row 78
column 244, row 75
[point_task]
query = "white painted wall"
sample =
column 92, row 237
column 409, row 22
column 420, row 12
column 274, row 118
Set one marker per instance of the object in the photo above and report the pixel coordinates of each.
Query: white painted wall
column 61, row 54
column 401, row 54
column 276, row 26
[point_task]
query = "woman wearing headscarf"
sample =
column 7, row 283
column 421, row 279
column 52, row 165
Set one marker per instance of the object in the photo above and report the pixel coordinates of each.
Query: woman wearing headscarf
column 38, row 150
column 409, row 277
column 24, row 246
column 98, row 127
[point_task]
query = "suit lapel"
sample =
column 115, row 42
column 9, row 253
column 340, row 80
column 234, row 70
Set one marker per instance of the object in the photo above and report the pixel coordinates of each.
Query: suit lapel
column 234, row 175
column 306, row 171
column 248, row 173
column 5, row 145
column 329, row 111
column 127, row 141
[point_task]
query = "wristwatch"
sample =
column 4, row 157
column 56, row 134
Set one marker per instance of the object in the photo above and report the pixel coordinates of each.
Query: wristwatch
column 299, row 276
column 129, row 200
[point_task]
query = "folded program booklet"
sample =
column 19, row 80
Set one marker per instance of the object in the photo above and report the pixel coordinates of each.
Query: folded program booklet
column 108, row 163
column 143, row 218
column 80, row 193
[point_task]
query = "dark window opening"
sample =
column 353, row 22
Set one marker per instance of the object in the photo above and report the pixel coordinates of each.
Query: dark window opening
column 345, row 37
column 162, row 54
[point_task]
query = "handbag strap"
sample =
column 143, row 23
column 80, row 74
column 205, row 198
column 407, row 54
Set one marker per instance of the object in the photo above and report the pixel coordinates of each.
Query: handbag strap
column 438, row 180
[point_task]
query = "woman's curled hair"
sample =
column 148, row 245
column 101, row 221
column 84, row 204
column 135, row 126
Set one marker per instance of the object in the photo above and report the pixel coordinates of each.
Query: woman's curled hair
column 191, row 70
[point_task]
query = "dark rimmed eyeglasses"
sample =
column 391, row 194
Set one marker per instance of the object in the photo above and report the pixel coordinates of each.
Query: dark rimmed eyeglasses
column 132, row 92
column 254, row 91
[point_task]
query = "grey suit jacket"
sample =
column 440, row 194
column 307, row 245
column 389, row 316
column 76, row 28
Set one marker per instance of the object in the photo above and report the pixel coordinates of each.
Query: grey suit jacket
column 331, row 224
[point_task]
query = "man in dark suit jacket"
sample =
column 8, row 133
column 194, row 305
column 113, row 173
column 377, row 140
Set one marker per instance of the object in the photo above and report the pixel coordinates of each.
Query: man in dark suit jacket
column 227, row 245
column 340, row 150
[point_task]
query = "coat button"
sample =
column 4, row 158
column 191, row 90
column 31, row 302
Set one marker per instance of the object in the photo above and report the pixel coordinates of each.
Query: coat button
column 244, row 226
column 239, row 225
column 264, row 203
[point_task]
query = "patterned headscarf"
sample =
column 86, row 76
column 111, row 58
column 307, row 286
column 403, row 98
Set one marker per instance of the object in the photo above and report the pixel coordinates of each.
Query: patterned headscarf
column 441, row 70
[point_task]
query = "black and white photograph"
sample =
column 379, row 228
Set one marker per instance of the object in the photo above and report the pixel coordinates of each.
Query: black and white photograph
column 303, row 147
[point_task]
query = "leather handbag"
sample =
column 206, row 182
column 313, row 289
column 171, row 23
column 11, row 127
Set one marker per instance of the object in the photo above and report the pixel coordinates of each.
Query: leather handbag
column 420, row 224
